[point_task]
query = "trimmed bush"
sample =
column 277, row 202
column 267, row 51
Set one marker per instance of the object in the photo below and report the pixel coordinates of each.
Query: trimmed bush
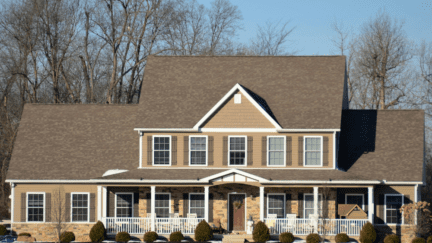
column 150, row 236
column 261, row 232
column 367, row 233
column 342, row 237
column 122, row 237
column 176, row 236
column 391, row 239
column 203, row 232
column 286, row 237
column 418, row 240
column 24, row 234
column 67, row 237
column 3, row 230
column 429, row 239
column 97, row 232
column 313, row 238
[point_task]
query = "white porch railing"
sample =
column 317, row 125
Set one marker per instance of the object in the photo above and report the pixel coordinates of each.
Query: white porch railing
column 351, row 227
column 141, row 225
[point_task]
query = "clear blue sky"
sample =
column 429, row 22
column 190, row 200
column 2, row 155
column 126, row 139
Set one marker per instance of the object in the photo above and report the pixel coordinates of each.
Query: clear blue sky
column 313, row 19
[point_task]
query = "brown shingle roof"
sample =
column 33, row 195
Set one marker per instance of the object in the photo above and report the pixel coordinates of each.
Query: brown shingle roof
column 301, row 91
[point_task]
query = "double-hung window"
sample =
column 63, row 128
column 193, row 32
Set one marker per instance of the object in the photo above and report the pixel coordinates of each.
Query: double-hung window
column 393, row 203
column 161, row 150
column 276, row 204
column 276, row 150
column 162, row 205
column 355, row 199
column 313, row 151
column 198, row 150
column 196, row 204
column 35, row 207
column 237, row 150
column 309, row 205
column 124, row 204
column 80, row 207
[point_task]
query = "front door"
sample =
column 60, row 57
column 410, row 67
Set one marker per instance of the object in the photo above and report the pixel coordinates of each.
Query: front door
column 237, row 212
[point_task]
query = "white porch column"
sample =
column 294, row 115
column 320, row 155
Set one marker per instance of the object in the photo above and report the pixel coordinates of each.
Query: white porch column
column 206, row 203
column 262, row 204
column 153, row 210
column 315, row 208
column 99, row 205
column 371, row 205
column 12, row 202
column 416, row 194
column 104, row 201
column 140, row 148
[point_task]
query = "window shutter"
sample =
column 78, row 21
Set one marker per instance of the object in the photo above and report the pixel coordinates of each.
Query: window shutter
column 186, row 150
column 148, row 199
column 288, row 151
column 264, row 151
column 265, row 205
column 300, row 150
column 174, row 150
column 92, row 207
column 210, row 216
column 23, row 207
column 149, row 150
column 225, row 151
column 185, row 204
column 288, row 203
column 325, row 151
column 68, row 207
column 210, row 151
column 48, row 207
column 111, row 204
column 136, row 204
column 300, row 205
column 249, row 150
column 380, row 217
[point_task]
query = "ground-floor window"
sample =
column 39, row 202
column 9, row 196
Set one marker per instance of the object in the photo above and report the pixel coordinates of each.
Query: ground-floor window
column 162, row 205
column 309, row 205
column 393, row 203
column 80, row 207
column 276, row 205
column 196, row 204
column 35, row 207
column 355, row 199
column 124, row 204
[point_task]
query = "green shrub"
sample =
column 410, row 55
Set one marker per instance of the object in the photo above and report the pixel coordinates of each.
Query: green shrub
column 391, row 239
column 203, row 232
column 418, row 240
column 24, row 234
column 313, row 238
column 122, row 237
column 3, row 230
column 150, row 236
column 342, row 237
column 367, row 233
column 97, row 232
column 286, row 237
column 176, row 236
column 261, row 232
column 429, row 239
column 67, row 237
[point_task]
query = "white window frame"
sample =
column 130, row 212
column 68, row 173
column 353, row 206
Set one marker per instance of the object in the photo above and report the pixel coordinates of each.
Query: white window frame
column 268, row 151
column 304, row 151
column 88, row 206
column 169, row 201
column 304, row 202
column 355, row 194
column 385, row 208
column 44, row 206
column 284, row 202
column 170, row 148
column 115, row 203
column 229, row 150
column 190, row 151
column 196, row 193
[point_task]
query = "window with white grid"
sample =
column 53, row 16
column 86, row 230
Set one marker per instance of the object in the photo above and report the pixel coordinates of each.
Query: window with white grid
column 276, row 151
column 313, row 151
column 198, row 150
column 309, row 205
column 393, row 204
column 80, row 207
column 162, row 205
column 196, row 204
column 124, row 204
column 161, row 150
column 276, row 205
column 35, row 207
column 237, row 150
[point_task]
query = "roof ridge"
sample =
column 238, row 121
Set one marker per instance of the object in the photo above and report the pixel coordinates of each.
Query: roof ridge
column 41, row 104
column 252, row 56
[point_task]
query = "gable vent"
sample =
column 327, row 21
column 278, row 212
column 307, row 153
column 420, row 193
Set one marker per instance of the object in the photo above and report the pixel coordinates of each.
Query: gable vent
column 237, row 99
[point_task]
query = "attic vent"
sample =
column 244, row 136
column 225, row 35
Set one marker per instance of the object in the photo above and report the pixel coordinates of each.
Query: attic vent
column 237, row 99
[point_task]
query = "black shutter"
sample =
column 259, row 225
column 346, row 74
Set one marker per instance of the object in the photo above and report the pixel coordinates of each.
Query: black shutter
column 149, row 150
column 174, row 150
column 250, row 150
column 111, row 207
column 380, row 217
column 265, row 205
column 288, row 151
column 300, row 150
column 210, row 215
column 288, row 203
column 264, row 151
column 92, row 207
column 186, row 150
column 210, row 150
column 225, row 151
column 136, row 204
column 48, row 207
column 185, row 204
column 325, row 151
column 300, row 205
column 23, row 207
column 68, row 207
column 148, row 199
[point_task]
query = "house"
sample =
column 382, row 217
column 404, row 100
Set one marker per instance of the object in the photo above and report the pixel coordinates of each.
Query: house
column 351, row 211
column 227, row 139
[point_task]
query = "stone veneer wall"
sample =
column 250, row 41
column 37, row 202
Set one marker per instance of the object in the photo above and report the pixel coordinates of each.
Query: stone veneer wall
column 47, row 232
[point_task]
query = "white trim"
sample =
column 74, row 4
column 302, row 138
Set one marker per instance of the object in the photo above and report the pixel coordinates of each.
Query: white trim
column 248, row 168
column 104, row 201
column 88, row 207
column 169, row 150
column 99, row 205
column 12, row 202
column 284, row 202
column 355, row 194
column 304, row 151
column 305, row 130
column 245, row 208
column 227, row 95
column 268, row 151
column 165, row 130
column 115, row 203
column 236, row 171
column 322, row 182
column 371, row 204
column 189, row 204
column 237, row 130
column 190, row 151
column 169, row 200
column 44, row 206
column 229, row 150
column 304, row 202
column 334, row 150
column 140, row 148
column 385, row 208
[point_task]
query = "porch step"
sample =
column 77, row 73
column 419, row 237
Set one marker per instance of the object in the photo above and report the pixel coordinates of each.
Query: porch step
column 234, row 238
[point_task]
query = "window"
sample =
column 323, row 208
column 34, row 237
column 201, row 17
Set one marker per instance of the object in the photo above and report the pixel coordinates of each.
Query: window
column 313, row 151
column 196, row 204
column 276, row 205
column 309, row 205
column 80, row 207
column 162, row 205
column 355, row 199
column 162, row 150
column 393, row 202
column 124, row 204
column 276, row 151
column 198, row 150
column 237, row 150
column 35, row 207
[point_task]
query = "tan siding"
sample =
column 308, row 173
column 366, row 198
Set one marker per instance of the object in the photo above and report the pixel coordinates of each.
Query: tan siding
column 357, row 215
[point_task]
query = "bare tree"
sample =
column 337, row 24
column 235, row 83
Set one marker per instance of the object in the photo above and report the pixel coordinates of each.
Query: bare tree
column 271, row 38
column 59, row 215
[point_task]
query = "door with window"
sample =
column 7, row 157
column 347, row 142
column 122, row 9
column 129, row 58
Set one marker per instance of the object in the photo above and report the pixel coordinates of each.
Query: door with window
column 237, row 212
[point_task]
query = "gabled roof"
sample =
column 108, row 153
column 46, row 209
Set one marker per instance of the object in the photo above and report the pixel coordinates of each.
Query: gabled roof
column 302, row 92
column 345, row 209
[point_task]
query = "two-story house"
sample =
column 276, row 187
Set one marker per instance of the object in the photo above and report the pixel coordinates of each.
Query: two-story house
column 225, row 139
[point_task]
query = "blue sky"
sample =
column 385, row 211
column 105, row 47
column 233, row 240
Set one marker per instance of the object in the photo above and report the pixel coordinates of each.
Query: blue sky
column 313, row 19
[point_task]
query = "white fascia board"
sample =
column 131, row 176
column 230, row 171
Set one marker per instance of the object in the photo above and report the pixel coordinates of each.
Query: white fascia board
column 403, row 182
column 166, row 129
column 242, row 130
column 235, row 171
column 308, row 130
column 321, row 182
column 106, row 181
